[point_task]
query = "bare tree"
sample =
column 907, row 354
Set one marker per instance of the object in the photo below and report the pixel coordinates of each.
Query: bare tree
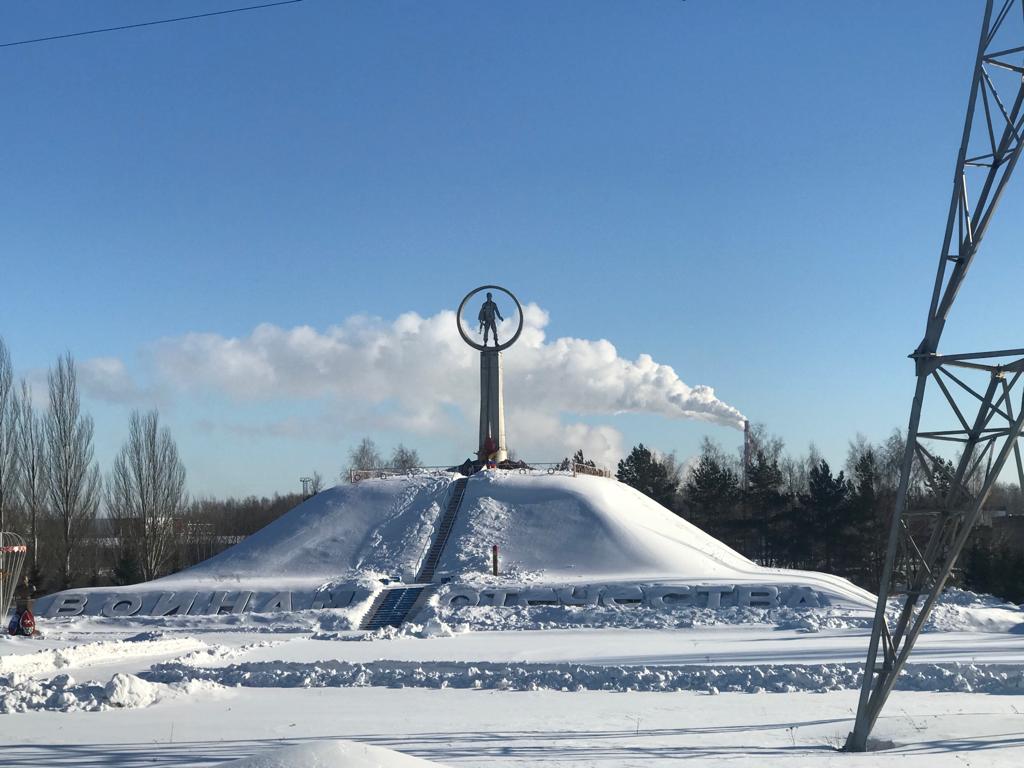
column 796, row 471
column 316, row 483
column 405, row 458
column 8, row 439
column 34, row 467
column 365, row 456
column 675, row 468
column 73, row 478
column 770, row 445
column 146, row 492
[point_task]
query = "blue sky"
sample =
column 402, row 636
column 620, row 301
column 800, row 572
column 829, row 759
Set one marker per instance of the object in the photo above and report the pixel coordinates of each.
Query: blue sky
column 750, row 193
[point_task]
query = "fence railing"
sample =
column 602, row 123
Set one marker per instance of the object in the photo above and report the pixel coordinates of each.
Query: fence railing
column 586, row 469
column 383, row 473
column 544, row 468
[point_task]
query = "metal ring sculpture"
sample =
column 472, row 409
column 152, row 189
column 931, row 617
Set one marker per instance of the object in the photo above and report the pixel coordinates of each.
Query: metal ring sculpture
column 12, row 557
column 476, row 345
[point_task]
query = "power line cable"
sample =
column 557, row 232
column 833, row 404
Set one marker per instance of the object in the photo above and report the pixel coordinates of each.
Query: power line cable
column 149, row 23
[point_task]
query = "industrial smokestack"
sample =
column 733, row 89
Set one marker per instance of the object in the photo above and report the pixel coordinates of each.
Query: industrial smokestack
column 746, row 452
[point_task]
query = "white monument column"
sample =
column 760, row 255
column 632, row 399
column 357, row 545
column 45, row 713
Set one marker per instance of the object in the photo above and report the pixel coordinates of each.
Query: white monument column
column 492, row 407
column 491, row 445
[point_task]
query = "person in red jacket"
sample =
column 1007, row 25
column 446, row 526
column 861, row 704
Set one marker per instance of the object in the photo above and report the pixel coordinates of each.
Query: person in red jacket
column 23, row 622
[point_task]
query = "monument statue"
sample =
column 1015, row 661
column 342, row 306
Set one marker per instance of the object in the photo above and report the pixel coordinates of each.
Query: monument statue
column 491, row 444
column 488, row 311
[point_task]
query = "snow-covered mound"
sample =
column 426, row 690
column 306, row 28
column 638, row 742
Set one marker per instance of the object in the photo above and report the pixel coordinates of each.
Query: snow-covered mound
column 581, row 529
column 579, row 540
column 552, row 528
column 330, row 754
column 372, row 527
column 577, row 529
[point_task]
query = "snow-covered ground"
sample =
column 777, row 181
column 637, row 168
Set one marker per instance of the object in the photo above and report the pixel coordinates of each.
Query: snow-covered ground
column 586, row 682
column 716, row 689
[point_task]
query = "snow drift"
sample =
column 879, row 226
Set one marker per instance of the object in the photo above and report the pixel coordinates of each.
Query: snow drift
column 330, row 754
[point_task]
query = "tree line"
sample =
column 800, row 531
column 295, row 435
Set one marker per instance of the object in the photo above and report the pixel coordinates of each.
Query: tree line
column 801, row 512
column 84, row 528
column 367, row 456
column 134, row 523
column 50, row 484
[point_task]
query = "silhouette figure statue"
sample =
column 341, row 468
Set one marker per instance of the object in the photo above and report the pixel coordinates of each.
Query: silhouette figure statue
column 488, row 312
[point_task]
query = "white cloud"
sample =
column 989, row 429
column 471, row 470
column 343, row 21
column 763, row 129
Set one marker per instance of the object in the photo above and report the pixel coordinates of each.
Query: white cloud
column 107, row 378
column 416, row 375
column 538, row 436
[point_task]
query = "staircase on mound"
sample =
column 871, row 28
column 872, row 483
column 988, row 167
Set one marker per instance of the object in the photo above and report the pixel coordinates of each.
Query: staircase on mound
column 444, row 529
column 393, row 606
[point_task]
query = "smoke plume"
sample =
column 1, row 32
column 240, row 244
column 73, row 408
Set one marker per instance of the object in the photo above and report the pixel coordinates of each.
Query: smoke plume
column 415, row 374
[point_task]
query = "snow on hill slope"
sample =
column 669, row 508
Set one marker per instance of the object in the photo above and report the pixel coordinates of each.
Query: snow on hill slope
column 563, row 529
column 375, row 527
column 579, row 528
column 551, row 530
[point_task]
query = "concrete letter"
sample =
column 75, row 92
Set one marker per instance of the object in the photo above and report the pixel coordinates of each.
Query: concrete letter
column 757, row 597
column 219, row 602
column 499, row 597
column 67, row 605
column 802, row 597
column 714, row 594
column 461, row 597
column 341, row 599
column 538, row 596
column 578, row 595
column 619, row 597
column 662, row 598
column 122, row 605
column 282, row 601
column 171, row 603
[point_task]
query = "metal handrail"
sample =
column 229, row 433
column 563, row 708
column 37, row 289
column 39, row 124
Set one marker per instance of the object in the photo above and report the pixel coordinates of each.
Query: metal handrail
column 535, row 468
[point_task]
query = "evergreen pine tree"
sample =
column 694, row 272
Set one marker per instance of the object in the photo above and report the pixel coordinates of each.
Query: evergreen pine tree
column 826, row 506
column 867, row 524
column 126, row 569
column 712, row 493
column 643, row 471
column 579, row 458
column 766, row 505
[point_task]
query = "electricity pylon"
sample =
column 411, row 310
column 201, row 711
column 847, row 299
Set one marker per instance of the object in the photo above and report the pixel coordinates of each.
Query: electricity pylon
column 974, row 392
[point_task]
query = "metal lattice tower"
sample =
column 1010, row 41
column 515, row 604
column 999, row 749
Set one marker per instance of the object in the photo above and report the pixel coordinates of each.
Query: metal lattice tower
column 976, row 404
